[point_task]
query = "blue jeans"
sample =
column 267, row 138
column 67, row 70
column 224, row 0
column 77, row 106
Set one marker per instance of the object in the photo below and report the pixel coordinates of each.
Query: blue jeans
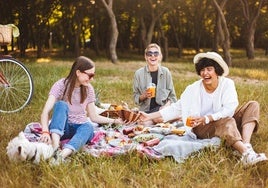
column 79, row 134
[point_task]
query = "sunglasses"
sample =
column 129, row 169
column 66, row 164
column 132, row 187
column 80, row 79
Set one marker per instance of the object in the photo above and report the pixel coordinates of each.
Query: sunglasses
column 151, row 54
column 90, row 75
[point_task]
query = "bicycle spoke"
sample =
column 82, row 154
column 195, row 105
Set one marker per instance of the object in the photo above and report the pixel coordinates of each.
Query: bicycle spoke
column 18, row 93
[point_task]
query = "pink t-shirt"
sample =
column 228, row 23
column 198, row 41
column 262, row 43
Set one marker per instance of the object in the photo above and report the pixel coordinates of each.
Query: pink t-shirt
column 77, row 112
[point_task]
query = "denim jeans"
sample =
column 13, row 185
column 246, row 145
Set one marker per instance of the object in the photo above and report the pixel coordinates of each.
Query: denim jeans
column 79, row 134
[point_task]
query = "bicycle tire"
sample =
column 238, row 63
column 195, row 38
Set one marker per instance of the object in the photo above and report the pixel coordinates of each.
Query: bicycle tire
column 19, row 93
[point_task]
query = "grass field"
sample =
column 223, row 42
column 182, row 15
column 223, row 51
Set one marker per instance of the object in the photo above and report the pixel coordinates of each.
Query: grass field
column 208, row 168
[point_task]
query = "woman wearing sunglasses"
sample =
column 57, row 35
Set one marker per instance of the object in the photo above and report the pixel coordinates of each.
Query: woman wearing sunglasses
column 72, row 100
column 211, row 103
column 153, row 73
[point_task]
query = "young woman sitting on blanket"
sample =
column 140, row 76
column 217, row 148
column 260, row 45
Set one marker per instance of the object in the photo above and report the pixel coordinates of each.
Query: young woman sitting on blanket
column 72, row 100
column 212, row 102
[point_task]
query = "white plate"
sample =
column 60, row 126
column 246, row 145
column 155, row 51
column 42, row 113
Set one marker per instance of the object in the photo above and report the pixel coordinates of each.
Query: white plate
column 149, row 136
column 160, row 130
column 118, row 142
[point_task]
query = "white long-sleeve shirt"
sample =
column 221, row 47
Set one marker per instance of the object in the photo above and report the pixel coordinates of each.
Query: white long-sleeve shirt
column 224, row 102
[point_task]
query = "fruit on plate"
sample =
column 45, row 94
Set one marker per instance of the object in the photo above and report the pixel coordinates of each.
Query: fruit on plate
column 139, row 128
column 146, row 137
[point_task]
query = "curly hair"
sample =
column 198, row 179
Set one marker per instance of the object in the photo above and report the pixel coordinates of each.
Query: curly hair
column 206, row 62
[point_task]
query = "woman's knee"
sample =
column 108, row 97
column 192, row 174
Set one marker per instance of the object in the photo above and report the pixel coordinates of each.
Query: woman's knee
column 88, row 130
column 61, row 104
column 253, row 105
column 229, row 131
column 229, row 126
column 226, row 127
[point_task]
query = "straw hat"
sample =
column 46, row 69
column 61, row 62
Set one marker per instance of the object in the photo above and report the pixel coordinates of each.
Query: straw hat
column 214, row 56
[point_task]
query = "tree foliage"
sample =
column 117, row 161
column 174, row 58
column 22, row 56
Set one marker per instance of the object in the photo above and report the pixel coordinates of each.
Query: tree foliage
column 179, row 24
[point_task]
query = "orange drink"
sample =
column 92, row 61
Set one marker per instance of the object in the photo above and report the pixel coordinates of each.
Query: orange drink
column 188, row 121
column 151, row 88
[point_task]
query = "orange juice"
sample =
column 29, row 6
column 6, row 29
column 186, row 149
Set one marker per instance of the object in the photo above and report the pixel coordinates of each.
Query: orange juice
column 151, row 89
column 188, row 121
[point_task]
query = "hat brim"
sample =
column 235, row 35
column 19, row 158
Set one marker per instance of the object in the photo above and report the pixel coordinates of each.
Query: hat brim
column 216, row 57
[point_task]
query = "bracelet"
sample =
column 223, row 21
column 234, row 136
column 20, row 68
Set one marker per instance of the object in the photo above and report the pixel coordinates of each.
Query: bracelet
column 45, row 132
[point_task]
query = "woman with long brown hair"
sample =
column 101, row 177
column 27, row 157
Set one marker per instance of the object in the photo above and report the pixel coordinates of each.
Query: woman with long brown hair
column 72, row 100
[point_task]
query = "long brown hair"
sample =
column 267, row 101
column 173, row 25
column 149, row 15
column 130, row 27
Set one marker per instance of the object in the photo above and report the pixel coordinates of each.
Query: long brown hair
column 82, row 64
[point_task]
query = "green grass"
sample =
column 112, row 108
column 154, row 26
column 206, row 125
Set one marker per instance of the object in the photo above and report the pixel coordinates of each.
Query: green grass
column 208, row 168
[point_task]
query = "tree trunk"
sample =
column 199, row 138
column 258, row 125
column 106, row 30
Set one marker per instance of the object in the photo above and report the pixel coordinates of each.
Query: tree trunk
column 224, row 35
column 176, row 35
column 114, row 30
column 143, row 33
column 215, row 44
column 164, row 43
column 251, row 22
column 76, row 44
column 250, row 41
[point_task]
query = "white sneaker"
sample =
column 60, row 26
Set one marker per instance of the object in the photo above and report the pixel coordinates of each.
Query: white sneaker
column 250, row 158
column 249, row 149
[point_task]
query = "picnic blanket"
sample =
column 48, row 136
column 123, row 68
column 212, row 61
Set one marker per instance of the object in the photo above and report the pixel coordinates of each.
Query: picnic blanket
column 112, row 141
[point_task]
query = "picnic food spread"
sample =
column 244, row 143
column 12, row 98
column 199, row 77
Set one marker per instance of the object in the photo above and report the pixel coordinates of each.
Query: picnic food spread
column 145, row 140
column 112, row 139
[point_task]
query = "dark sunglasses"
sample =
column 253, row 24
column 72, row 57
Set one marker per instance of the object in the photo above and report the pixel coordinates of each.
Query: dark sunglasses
column 151, row 54
column 90, row 75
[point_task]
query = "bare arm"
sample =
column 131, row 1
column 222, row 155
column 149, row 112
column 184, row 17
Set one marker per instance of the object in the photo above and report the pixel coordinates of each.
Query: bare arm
column 91, row 109
column 45, row 118
column 146, row 117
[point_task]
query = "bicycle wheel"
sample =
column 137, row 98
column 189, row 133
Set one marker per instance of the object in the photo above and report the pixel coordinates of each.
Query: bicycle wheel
column 18, row 91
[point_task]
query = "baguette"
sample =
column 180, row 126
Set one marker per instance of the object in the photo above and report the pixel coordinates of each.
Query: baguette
column 179, row 132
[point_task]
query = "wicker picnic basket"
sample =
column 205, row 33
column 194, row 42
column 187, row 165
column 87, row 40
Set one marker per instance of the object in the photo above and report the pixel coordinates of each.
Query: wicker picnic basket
column 5, row 34
column 125, row 115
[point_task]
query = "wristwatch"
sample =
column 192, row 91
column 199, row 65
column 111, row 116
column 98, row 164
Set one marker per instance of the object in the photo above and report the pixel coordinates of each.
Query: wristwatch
column 206, row 120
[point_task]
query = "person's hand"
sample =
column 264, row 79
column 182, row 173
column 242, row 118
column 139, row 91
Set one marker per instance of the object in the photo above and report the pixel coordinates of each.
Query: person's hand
column 144, row 116
column 45, row 137
column 148, row 93
column 118, row 121
column 196, row 121
column 143, row 96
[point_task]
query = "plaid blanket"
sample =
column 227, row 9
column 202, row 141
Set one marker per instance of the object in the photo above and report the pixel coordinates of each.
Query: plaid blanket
column 112, row 142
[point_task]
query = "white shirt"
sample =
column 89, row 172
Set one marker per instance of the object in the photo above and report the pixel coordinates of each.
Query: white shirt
column 224, row 102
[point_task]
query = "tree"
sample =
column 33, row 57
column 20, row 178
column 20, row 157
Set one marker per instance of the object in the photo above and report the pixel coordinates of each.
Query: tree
column 150, row 12
column 114, row 30
column 251, row 13
column 222, row 31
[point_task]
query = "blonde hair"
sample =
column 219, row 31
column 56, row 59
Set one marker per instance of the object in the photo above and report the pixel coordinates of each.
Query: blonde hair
column 154, row 45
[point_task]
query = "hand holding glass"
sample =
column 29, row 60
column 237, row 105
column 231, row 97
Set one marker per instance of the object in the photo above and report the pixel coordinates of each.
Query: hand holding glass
column 151, row 90
column 191, row 120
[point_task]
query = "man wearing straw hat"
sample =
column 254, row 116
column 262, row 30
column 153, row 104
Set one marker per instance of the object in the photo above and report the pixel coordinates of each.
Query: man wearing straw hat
column 212, row 102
